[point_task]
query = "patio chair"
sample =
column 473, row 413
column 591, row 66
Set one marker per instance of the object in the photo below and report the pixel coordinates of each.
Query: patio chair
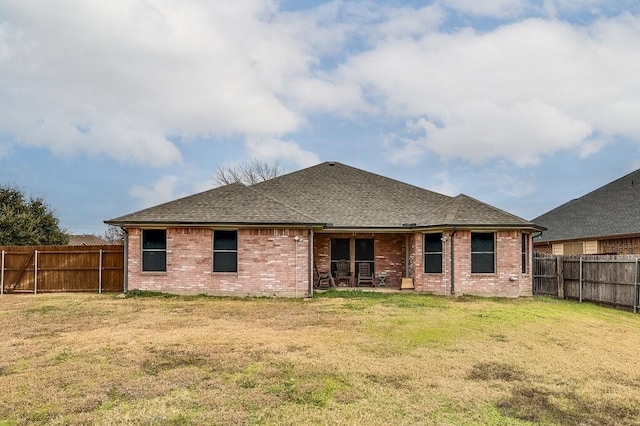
column 342, row 272
column 325, row 280
column 364, row 274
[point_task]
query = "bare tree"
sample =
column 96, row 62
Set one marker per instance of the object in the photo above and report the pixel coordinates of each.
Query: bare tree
column 114, row 235
column 248, row 173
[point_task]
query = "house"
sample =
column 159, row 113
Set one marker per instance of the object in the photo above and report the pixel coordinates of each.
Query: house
column 270, row 238
column 604, row 221
column 86, row 240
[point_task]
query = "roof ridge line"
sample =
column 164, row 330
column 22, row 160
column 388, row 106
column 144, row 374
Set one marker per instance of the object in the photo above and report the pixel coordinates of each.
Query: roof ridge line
column 281, row 203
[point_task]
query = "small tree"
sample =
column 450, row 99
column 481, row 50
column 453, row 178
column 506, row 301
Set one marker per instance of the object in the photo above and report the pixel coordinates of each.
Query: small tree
column 27, row 222
column 248, row 173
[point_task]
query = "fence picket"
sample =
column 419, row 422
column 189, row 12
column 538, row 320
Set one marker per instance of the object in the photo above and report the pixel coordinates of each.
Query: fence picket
column 62, row 269
column 607, row 279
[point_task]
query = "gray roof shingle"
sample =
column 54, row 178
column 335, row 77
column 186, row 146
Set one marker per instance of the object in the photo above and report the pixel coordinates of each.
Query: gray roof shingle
column 328, row 193
column 613, row 209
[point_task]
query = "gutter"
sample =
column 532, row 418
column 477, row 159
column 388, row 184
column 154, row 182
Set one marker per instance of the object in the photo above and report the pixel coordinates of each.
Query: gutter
column 125, row 286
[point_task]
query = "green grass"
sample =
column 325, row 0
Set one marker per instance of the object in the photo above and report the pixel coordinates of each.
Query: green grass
column 341, row 358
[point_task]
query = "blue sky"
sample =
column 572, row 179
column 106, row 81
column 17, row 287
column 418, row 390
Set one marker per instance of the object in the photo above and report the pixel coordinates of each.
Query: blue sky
column 109, row 107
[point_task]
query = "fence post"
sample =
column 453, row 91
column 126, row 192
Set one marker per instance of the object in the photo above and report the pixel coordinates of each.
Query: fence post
column 580, row 279
column 560, row 276
column 636, row 302
column 100, row 273
column 35, row 273
column 2, row 275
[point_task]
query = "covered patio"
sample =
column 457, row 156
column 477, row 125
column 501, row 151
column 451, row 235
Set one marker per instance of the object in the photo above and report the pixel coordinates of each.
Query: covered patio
column 387, row 255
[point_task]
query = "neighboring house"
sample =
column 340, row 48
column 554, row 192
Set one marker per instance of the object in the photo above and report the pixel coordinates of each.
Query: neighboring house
column 271, row 237
column 605, row 221
column 86, row 240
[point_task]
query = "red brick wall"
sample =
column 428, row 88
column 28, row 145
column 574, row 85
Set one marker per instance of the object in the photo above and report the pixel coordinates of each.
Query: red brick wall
column 508, row 265
column 266, row 264
column 620, row 246
column 507, row 281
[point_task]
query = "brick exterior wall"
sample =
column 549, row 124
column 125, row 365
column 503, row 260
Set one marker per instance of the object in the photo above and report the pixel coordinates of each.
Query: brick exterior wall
column 620, row 246
column 507, row 281
column 266, row 264
column 508, row 257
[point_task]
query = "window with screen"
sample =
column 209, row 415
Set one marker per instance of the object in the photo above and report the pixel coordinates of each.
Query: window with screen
column 154, row 250
column 433, row 253
column 225, row 251
column 365, row 253
column 483, row 252
column 340, row 250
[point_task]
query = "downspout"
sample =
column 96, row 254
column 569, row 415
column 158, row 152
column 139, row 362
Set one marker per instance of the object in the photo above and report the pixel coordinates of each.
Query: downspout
column 453, row 269
column 309, row 261
column 125, row 286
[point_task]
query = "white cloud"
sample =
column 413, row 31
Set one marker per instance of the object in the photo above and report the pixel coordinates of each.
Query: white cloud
column 275, row 149
column 193, row 69
column 522, row 91
column 163, row 190
column 122, row 78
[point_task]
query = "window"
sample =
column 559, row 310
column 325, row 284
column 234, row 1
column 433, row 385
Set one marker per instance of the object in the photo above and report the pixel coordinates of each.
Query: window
column 572, row 249
column 433, row 253
column 365, row 253
column 525, row 252
column 154, row 250
column 225, row 251
column 483, row 252
column 339, row 251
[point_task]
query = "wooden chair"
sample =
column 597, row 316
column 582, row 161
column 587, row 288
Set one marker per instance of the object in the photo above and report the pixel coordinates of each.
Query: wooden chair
column 342, row 272
column 323, row 277
column 364, row 274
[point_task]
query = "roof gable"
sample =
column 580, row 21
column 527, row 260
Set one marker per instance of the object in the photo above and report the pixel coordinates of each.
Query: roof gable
column 607, row 211
column 467, row 211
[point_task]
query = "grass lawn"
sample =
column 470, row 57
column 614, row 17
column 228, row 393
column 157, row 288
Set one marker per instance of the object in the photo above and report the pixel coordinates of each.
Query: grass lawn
column 341, row 358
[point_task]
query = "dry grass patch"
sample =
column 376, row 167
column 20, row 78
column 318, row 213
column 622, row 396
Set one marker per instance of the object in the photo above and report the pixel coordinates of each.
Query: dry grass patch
column 347, row 358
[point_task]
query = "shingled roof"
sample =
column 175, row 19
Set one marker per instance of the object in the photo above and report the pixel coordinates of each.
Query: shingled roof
column 331, row 195
column 611, row 210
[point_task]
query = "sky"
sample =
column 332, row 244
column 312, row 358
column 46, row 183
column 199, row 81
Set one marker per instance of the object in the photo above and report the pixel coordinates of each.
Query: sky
column 107, row 107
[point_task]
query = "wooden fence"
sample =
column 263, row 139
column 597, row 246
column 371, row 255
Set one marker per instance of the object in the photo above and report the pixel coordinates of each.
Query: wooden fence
column 62, row 269
column 607, row 279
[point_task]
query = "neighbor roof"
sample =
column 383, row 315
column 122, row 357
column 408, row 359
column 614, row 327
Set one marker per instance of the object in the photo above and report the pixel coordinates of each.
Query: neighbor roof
column 331, row 195
column 611, row 210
